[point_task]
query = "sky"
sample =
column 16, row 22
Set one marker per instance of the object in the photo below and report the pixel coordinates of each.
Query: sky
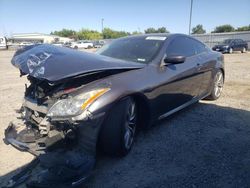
column 44, row 16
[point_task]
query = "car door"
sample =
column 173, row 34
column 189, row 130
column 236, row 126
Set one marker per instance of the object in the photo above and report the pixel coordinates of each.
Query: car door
column 85, row 44
column 204, row 67
column 179, row 83
column 241, row 44
column 82, row 44
column 236, row 45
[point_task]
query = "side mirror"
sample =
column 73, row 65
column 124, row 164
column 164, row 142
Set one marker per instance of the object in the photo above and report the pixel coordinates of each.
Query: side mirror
column 174, row 59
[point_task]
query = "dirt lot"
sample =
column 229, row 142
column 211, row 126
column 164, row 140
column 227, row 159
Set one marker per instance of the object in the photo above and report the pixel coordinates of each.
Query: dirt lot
column 206, row 145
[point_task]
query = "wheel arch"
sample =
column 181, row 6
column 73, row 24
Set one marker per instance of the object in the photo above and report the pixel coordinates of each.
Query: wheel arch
column 223, row 72
column 143, row 110
column 144, row 119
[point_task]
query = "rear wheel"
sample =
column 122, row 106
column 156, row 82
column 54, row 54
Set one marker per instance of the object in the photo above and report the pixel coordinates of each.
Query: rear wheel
column 118, row 130
column 217, row 86
column 75, row 47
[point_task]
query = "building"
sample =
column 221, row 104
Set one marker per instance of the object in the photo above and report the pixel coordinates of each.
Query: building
column 38, row 38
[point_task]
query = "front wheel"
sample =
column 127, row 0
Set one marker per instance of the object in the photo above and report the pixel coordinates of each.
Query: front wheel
column 230, row 50
column 217, row 86
column 118, row 130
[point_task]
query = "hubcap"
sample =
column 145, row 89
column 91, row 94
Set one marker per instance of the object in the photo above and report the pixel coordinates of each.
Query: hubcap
column 230, row 50
column 218, row 85
column 130, row 125
column 244, row 49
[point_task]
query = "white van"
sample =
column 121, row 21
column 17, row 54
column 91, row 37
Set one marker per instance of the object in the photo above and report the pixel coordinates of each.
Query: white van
column 3, row 43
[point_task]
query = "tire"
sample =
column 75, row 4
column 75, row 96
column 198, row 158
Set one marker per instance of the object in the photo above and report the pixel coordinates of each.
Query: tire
column 118, row 130
column 243, row 50
column 76, row 47
column 217, row 86
column 89, row 47
column 230, row 51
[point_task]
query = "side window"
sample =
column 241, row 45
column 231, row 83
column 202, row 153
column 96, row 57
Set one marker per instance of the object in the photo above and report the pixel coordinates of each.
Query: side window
column 181, row 46
column 186, row 47
column 200, row 47
column 240, row 41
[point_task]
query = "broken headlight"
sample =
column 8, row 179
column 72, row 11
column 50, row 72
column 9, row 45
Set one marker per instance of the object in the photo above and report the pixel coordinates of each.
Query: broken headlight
column 74, row 106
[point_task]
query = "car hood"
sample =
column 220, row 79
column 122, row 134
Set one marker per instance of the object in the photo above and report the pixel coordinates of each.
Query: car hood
column 54, row 63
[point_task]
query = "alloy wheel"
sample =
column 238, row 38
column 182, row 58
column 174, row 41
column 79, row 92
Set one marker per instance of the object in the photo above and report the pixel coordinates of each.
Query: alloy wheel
column 218, row 84
column 130, row 125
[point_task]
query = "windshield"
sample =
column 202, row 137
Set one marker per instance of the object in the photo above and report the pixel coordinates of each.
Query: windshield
column 137, row 49
column 228, row 41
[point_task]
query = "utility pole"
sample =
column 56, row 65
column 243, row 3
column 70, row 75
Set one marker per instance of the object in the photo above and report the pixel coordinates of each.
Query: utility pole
column 102, row 24
column 190, row 18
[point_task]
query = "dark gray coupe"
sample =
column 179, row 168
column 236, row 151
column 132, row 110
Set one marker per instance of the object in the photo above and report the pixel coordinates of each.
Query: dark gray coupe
column 105, row 97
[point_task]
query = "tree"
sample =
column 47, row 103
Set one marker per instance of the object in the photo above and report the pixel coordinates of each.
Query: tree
column 150, row 30
column 162, row 30
column 223, row 29
column 136, row 33
column 243, row 28
column 65, row 33
column 112, row 34
column 159, row 30
column 87, row 34
column 198, row 29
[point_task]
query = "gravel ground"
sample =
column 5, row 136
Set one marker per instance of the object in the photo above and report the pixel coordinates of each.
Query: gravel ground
column 205, row 145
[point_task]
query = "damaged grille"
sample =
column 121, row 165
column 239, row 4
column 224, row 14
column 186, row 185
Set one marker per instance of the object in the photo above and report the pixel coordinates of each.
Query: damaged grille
column 40, row 91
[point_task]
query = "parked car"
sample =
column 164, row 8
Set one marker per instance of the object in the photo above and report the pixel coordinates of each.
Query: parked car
column 105, row 97
column 61, row 44
column 67, row 44
column 98, row 43
column 22, row 44
column 231, row 45
column 82, row 44
column 3, row 43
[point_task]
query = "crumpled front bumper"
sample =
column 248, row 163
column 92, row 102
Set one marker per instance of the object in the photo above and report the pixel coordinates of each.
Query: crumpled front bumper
column 73, row 165
column 28, row 139
column 13, row 137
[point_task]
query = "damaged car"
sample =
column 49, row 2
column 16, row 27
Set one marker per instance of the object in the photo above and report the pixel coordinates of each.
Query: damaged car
column 85, row 100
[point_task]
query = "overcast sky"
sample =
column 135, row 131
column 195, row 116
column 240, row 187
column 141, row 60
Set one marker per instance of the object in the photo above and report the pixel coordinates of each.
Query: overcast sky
column 44, row 16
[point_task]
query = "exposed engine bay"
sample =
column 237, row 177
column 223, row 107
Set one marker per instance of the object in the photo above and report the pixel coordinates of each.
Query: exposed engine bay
column 34, row 130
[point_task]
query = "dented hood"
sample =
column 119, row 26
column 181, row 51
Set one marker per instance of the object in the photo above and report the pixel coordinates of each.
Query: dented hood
column 54, row 63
